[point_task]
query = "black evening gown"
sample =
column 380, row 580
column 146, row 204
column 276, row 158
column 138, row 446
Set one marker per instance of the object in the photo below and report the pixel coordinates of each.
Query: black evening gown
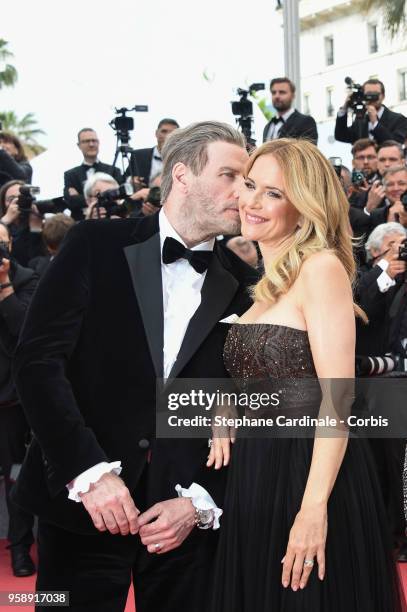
column 266, row 482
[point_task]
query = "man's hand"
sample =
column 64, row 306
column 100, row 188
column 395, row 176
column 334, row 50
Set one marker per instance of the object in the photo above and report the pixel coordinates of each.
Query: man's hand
column 12, row 214
column 165, row 525
column 35, row 220
column 396, row 209
column 95, row 212
column 396, row 267
column 72, row 191
column 4, row 271
column 372, row 112
column 111, row 506
column 376, row 195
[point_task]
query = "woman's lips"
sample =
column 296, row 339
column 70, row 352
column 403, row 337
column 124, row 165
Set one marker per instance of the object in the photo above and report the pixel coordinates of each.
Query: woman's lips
column 254, row 219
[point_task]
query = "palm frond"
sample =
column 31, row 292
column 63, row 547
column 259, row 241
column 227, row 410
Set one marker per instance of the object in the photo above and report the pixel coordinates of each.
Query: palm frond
column 394, row 13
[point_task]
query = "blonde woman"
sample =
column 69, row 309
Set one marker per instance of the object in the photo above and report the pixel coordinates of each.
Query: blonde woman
column 304, row 528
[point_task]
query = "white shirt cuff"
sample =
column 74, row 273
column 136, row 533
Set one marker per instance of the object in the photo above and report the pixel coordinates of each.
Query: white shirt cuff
column 81, row 483
column 384, row 281
column 366, row 211
column 201, row 499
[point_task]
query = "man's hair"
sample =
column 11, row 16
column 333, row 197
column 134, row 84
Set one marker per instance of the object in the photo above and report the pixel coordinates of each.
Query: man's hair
column 55, row 230
column 375, row 82
column 167, row 121
column 379, row 233
column 84, row 130
column 392, row 171
column 189, row 146
column 94, row 178
column 283, row 80
column 13, row 139
column 391, row 143
column 362, row 144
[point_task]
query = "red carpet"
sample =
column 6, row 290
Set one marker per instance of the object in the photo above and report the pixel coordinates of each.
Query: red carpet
column 9, row 583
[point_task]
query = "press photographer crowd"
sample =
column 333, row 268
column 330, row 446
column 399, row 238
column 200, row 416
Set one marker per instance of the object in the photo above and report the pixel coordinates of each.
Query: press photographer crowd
column 32, row 230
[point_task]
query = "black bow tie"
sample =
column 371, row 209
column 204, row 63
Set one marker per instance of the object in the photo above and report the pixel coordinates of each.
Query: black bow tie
column 174, row 250
column 88, row 167
column 276, row 120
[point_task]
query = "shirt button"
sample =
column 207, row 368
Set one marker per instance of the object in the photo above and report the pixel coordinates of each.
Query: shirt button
column 143, row 443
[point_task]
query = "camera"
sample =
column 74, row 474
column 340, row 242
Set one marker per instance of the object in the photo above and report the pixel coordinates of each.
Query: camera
column 122, row 124
column 403, row 251
column 336, row 163
column 154, row 196
column 359, row 100
column 358, row 178
column 27, row 198
column 243, row 110
column 4, row 253
column 111, row 199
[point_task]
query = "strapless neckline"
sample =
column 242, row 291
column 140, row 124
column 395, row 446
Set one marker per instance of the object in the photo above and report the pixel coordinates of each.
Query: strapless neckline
column 303, row 331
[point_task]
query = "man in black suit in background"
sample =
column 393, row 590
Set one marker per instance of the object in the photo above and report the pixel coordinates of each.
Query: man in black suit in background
column 75, row 178
column 289, row 123
column 146, row 164
column 126, row 302
column 379, row 123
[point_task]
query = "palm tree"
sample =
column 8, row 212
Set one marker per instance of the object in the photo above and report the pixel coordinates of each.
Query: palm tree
column 8, row 76
column 394, row 12
column 26, row 129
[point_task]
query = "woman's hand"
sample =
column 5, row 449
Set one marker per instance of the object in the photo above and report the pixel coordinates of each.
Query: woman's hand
column 36, row 220
column 219, row 454
column 13, row 212
column 95, row 212
column 307, row 540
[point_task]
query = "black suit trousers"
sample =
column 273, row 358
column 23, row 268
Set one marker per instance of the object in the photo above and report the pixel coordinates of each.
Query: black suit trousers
column 97, row 569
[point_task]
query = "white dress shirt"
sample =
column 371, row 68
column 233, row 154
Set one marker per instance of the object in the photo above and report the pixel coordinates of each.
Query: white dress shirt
column 384, row 281
column 371, row 126
column 181, row 298
column 156, row 165
column 274, row 129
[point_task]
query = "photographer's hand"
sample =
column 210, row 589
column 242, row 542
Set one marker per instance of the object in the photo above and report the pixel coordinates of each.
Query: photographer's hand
column 5, row 278
column 35, row 220
column 396, row 210
column 12, row 214
column 372, row 113
column 376, row 195
column 92, row 212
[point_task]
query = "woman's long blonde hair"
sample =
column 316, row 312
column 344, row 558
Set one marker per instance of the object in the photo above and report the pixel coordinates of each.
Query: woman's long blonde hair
column 313, row 187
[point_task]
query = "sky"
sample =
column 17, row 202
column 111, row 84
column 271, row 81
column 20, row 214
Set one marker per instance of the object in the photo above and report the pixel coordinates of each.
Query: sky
column 78, row 60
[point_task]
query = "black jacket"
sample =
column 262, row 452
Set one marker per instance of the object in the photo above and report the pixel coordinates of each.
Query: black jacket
column 10, row 169
column 391, row 126
column 76, row 178
column 374, row 338
column 297, row 126
column 12, row 313
column 88, row 358
column 140, row 163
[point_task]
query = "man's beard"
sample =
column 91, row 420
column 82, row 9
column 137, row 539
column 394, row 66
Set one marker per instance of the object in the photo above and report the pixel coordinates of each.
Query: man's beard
column 282, row 107
column 207, row 219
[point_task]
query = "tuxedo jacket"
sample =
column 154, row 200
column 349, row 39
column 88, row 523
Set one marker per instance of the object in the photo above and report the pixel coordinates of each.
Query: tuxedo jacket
column 391, row 126
column 374, row 338
column 88, row 358
column 76, row 178
column 140, row 163
column 297, row 126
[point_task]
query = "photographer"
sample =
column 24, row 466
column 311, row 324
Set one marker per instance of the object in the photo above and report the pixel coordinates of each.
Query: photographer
column 289, row 123
column 377, row 122
column 106, row 198
column 75, row 178
column 54, row 231
column 390, row 153
column 24, row 221
column 17, row 285
column 13, row 161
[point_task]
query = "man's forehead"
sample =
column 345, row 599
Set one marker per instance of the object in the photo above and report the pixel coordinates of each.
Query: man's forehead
column 226, row 154
column 392, row 150
column 397, row 176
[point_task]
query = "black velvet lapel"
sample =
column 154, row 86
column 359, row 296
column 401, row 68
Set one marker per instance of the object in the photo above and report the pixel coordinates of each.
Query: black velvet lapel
column 144, row 260
column 217, row 292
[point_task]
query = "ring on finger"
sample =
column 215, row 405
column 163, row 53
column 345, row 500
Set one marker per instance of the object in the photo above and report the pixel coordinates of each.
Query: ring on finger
column 158, row 547
column 308, row 562
column 210, row 442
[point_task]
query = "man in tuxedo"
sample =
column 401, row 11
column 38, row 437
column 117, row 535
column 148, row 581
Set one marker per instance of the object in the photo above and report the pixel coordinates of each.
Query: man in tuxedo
column 146, row 164
column 75, row 178
column 123, row 304
column 379, row 123
column 288, row 123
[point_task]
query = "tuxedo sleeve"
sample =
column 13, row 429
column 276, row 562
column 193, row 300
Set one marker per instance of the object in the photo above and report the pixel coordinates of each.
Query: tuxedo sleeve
column 343, row 133
column 47, row 341
column 310, row 131
column 397, row 132
column 265, row 131
column 369, row 296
